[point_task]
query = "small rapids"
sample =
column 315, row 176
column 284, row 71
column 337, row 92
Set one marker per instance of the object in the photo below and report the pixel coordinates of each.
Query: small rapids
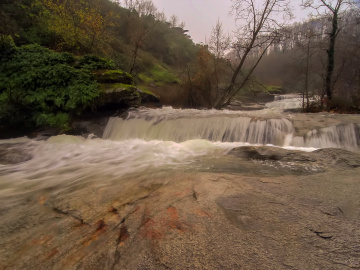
column 227, row 126
column 289, row 102
column 151, row 140
column 63, row 164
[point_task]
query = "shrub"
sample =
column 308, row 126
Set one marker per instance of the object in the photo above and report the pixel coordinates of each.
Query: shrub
column 92, row 62
column 42, row 87
column 7, row 46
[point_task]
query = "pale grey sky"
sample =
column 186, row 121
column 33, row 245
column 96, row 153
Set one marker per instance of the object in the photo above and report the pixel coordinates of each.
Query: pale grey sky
column 200, row 16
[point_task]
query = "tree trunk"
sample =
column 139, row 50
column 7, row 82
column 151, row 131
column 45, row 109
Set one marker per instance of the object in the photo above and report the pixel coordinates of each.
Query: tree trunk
column 306, row 92
column 331, row 57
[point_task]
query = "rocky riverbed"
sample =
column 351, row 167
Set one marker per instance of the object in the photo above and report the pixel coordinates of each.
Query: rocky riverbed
column 256, row 207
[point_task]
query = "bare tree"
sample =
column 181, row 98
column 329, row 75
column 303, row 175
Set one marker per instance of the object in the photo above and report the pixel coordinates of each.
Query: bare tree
column 160, row 16
column 143, row 7
column 332, row 9
column 173, row 21
column 260, row 22
column 182, row 25
column 308, row 47
column 141, row 19
column 219, row 44
column 140, row 31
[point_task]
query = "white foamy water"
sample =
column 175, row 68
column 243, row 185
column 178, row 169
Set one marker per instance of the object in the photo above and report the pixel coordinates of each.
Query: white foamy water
column 64, row 162
column 283, row 104
column 154, row 140
column 227, row 126
column 289, row 101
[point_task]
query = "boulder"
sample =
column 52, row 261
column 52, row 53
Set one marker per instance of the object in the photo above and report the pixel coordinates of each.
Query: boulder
column 327, row 157
column 338, row 156
column 148, row 97
column 113, row 76
column 118, row 96
column 271, row 153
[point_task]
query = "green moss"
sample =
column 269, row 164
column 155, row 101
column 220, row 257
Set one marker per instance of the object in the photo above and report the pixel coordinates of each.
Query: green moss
column 144, row 78
column 113, row 76
column 272, row 89
column 116, row 87
column 93, row 62
column 114, row 72
column 143, row 89
column 147, row 91
column 118, row 95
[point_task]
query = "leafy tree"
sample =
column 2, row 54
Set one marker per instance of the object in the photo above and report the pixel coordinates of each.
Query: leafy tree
column 80, row 24
column 7, row 46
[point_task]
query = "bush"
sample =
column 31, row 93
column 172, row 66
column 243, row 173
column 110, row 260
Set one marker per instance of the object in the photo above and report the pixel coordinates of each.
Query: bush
column 42, row 87
column 92, row 62
column 7, row 46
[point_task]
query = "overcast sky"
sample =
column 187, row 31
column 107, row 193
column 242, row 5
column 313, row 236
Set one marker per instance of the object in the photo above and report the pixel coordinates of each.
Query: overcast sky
column 200, row 16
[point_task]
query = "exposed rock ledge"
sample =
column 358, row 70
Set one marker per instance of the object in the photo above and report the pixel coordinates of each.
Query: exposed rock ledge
column 117, row 91
column 176, row 219
column 326, row 156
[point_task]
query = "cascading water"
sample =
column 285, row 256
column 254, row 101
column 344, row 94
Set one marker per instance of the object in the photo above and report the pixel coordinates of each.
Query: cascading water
column 152, row 139
column 180, row 125
column 283, row 102
column 287, row 97
column 65, row 196
column 339, row 136
column 225, row 126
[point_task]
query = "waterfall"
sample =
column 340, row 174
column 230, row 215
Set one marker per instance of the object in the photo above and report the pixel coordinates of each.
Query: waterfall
column 241, row 129
column 225, row 126
column 344, row 136
column 288, row 96
column 290, row 101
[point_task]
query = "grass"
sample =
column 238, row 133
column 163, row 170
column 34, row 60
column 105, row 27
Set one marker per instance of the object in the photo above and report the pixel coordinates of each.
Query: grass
column 158, row 75
column 271, row 89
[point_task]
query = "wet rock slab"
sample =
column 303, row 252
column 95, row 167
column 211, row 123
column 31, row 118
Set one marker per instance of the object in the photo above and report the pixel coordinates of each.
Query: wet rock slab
column 176, row 219
column 293, row 161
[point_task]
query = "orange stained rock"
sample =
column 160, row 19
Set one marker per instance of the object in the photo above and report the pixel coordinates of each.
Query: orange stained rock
column 42, row 199
column 202, row 213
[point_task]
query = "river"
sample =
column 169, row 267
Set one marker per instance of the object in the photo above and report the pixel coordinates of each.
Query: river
column 76, row 176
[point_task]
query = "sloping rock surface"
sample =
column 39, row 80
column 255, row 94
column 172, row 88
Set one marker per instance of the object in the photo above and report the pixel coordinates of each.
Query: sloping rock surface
column 205, row 217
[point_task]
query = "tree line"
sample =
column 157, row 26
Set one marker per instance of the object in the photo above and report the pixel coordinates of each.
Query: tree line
column 115, row 29
column 318, row 57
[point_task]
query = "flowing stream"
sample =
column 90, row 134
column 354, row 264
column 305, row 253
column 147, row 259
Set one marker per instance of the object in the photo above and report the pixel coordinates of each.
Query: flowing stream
column 258, row 128
column 155, row 139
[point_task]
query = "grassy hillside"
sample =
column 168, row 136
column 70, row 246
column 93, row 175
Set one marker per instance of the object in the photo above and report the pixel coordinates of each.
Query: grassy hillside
column 60, row 39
